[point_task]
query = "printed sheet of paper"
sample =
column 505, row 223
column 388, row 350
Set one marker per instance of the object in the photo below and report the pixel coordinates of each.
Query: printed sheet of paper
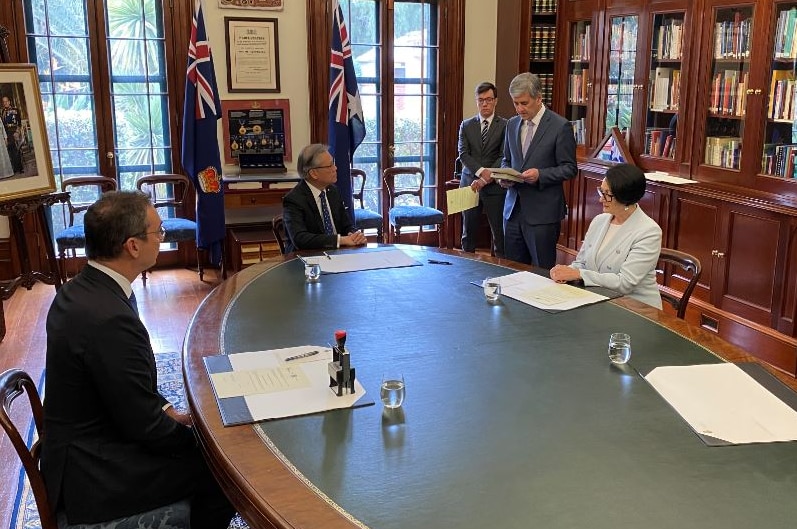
column 544, row 293
column 505, row 173
column 289, row 388
column 722, row 401
column 355, row 262
column 255, row 381
column 460, row 199
column 668, row 178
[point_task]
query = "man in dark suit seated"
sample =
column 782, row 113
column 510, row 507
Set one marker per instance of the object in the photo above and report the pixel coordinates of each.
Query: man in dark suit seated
column 113, row 446
column 540, row 145
column 314, row 214
column 480, row 146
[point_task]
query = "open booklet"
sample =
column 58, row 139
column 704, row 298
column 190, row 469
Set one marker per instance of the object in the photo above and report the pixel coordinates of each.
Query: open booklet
column 505, row 173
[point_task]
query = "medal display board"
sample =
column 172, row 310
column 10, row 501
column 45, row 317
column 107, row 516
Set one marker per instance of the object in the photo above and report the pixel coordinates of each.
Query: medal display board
column 257, row 135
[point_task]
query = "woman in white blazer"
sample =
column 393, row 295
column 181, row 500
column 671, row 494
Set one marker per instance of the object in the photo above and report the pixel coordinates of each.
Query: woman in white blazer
column 622, row 245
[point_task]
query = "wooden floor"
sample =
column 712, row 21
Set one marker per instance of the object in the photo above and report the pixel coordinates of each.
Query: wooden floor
column 166, row 305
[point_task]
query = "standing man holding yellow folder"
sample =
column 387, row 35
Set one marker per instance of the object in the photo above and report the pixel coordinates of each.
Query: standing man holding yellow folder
column 481, row 142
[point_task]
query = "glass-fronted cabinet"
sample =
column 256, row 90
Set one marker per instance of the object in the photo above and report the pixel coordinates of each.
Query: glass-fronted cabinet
column 780, row 132
column 621, row 83
column 579, row 81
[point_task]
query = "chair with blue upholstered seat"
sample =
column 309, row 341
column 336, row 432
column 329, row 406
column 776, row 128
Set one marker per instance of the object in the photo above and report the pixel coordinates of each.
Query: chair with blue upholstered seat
column 83, row 192
column 405, row 194
column 168, row 193
column 14, row 383
column 364, row 219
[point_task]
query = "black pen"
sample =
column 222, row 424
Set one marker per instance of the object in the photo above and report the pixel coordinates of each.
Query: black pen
column 303, row 355
column 435, row 261
column 327, row 255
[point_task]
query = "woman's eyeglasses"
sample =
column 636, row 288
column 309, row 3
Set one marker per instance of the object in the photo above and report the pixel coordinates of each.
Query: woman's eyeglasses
column 607, row 197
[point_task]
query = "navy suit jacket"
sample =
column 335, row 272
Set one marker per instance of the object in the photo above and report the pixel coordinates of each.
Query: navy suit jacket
column 303, row 222
column 473, row 154
column 108, row 449
column 553, row 153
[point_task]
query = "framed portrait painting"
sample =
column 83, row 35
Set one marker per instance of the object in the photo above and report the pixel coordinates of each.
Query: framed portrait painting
column 25, row 165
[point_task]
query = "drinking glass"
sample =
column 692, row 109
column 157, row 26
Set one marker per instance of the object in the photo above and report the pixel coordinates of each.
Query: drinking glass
column 392, row 391
column 492, row 290
column 312, row 271
column 619, row 348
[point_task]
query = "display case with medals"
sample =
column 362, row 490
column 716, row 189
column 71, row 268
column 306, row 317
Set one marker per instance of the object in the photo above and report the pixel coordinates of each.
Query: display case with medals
column 257, row 135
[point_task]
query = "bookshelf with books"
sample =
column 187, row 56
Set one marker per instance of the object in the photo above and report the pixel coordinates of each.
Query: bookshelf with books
column 542, row 45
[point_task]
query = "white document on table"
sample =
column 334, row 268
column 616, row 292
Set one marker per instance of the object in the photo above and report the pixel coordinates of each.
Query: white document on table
column 336, row 263
column 460, row 199
column 667, row 178
column 273, row 387
column 722, row 401
column 545, row 293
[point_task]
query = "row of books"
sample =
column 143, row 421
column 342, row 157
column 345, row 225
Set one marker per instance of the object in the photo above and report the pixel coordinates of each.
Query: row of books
column 728, row 93
column 580, row 51
column 543, row 6
column 580, row 130
column 577, row 87
column 660, row 142
column 786, row 35
column 665, row 93
column 723, row 151
column 733, row 38
column 778, row 160
column 546, row 79
column 781, row 95
column 668, row 41
column 543, row 41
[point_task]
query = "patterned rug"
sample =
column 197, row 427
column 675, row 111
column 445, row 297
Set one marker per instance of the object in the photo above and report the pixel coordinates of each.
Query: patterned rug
column 170, row 384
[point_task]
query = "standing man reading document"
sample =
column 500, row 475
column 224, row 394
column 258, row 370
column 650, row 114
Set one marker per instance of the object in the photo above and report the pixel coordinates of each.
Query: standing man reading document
column 481, row 142
column 540, row 146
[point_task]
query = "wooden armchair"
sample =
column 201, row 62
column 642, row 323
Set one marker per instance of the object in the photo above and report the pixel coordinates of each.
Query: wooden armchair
column 364, row 218
column 687, row 263
column 403, row 211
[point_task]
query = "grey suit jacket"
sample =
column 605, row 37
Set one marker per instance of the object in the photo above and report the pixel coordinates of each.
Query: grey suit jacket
column 553, row 153
column 473, row 154
column 628, row 263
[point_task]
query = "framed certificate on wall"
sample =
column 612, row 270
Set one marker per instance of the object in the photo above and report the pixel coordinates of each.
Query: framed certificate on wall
column 252, row 54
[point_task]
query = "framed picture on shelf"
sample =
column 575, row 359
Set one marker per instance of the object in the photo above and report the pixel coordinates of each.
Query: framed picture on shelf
column 260, row 126
column 25, row 165
column 612, row 149
column 252, row 54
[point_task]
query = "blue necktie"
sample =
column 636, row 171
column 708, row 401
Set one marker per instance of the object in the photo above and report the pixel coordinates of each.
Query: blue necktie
column 328, row 227
column 133, row 302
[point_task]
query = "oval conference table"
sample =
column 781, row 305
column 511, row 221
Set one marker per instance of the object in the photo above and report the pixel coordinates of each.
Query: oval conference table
column 513, row 418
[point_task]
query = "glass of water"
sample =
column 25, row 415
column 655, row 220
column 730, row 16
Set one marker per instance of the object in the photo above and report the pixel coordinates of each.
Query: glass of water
column 312, row 271
column 492, row 290
column 619, row 348
column 392, row 391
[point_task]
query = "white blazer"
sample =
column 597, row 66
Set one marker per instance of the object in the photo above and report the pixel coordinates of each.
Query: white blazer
column 628, row 263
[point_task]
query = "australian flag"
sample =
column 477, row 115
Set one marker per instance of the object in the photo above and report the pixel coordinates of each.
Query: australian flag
column 346, row 123
column 201, row 158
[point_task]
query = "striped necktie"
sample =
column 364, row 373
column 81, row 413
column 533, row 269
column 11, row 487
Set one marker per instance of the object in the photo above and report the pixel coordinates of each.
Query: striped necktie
column 328, row 226
column 485, row 129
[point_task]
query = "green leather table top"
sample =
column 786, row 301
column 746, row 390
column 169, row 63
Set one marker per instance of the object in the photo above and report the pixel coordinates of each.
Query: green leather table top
column 513, row 418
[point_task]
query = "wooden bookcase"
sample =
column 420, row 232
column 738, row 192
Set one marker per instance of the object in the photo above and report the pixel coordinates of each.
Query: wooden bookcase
column 729, row 113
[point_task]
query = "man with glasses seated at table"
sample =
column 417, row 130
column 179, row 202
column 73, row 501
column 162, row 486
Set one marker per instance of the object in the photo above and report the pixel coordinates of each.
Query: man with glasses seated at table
column 314, row 214
column 114, row 446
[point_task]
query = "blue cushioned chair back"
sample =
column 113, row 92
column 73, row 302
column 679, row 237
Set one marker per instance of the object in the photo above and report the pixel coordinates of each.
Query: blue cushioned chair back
column 168, row 193
column 402, row 184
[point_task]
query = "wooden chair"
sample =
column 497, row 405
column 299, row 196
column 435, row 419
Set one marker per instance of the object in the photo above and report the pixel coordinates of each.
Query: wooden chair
column 687, row 263
column 402, row 212
column 278, row 229
column 14, row 383
column 168, row 194
column 364, row 218
column 83, row 192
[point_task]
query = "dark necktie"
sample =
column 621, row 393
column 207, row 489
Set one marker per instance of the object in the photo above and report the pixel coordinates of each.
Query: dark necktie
column 133, row 302
column 485, row 128
column 328, row 227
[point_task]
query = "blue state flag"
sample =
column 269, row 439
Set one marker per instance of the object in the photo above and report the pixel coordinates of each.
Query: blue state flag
column 346, row 122
column 200, row 156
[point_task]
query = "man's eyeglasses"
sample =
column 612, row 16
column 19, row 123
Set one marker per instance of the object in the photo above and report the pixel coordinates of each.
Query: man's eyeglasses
column 161, row 231
column 485, row 100
column 325, row 166
column 607, row 197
